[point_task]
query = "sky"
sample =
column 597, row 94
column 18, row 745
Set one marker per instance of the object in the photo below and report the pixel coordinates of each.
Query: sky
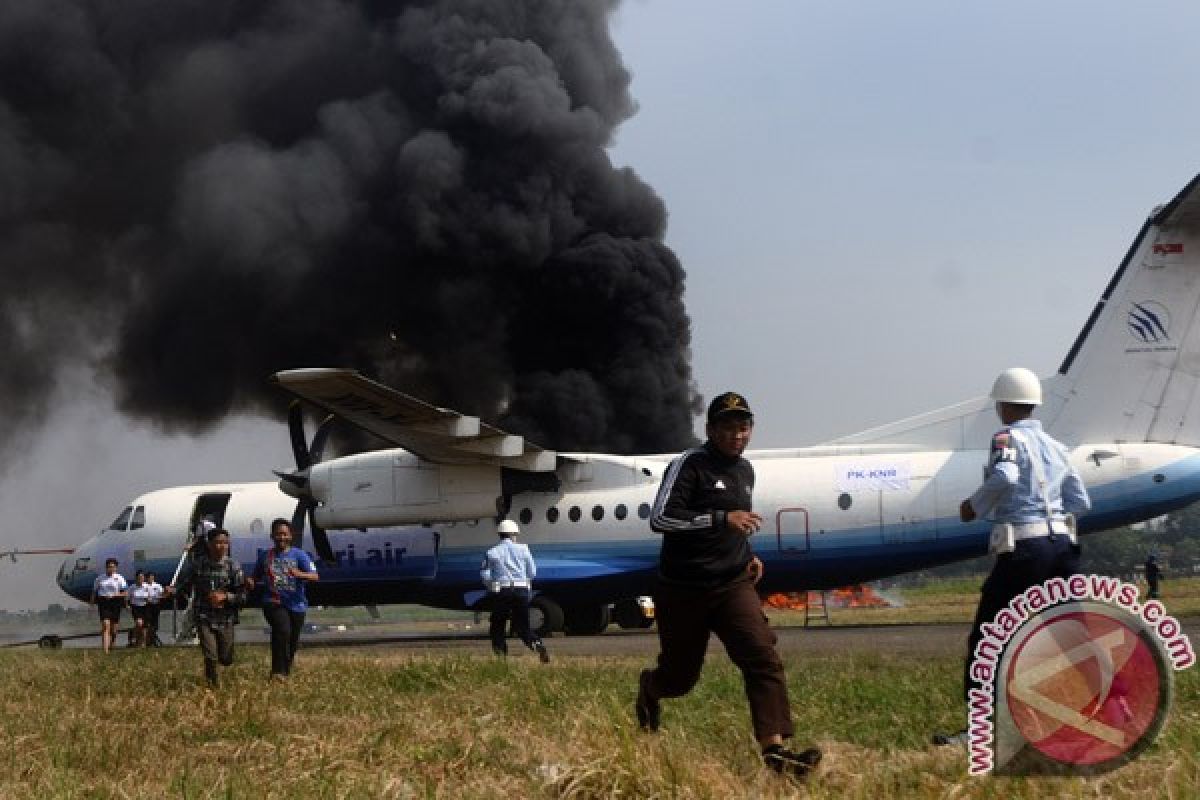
column 879, row 206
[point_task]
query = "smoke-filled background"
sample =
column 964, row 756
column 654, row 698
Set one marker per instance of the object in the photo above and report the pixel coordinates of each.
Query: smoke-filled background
column 880, row 205
column 196, row 194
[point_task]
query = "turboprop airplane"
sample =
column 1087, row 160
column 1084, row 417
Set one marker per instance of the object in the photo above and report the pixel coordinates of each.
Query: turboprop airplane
column 409, row 525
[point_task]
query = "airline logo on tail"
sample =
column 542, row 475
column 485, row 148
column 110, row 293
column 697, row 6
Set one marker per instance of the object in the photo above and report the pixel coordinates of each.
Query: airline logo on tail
column 1149, row 323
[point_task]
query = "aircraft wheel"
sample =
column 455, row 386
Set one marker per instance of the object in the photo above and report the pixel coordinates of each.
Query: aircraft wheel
column 545, row 616
column 628, row 615
column 586, row 621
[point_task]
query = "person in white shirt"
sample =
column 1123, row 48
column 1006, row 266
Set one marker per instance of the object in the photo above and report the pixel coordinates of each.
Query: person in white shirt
column 108, row 595
column 139, row 599
column 508, row 571
column 153, row 607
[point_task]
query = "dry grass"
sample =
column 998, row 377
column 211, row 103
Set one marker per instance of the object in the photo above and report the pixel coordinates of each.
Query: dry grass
column 368, row 723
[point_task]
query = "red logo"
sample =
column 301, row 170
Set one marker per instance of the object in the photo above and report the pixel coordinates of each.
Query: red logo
column 1086, row 687
column 1167, row 249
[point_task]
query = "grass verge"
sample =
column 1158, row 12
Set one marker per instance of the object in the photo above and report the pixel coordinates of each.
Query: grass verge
column 369, row 723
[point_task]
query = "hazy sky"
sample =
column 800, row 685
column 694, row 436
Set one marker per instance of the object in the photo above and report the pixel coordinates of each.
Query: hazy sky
column 879, row 206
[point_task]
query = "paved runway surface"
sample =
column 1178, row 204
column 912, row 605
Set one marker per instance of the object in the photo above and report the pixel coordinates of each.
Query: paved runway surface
column 916, row 641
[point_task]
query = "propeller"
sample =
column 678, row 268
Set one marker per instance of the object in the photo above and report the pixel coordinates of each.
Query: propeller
column 306, row 455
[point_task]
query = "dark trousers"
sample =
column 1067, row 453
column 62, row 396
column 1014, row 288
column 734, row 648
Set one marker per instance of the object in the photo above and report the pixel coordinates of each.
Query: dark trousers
column 509, row 603
column 285, row 636
column 216, row 645
column 153, row 611
column 1032, row 562
column 686, row 616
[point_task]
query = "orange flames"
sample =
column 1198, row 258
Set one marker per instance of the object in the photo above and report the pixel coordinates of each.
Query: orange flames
column 849, row 597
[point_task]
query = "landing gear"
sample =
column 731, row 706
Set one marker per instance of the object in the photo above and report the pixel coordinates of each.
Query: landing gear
column 630, row 614
column 545, row 616
column 586, row 620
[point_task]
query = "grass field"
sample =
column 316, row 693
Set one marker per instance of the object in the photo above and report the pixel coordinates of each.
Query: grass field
column 374, row 723
column 368, row 723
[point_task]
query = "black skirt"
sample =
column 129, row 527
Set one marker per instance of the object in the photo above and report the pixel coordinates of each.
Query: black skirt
column 110, row 607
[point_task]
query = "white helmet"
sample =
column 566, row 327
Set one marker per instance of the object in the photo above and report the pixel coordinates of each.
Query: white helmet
column 1017, row 385
column 507, row 528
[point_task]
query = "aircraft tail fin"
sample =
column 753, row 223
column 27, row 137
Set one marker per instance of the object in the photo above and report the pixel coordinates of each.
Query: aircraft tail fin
column 1133, row 373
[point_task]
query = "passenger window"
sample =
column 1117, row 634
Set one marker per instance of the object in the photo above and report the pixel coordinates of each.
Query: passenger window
column 620, row 512
column 552, row 514
column 644, row 511
column 574, row 513
column 139, row 518
column 597, row 513
column 122, row 520
column 526, row 516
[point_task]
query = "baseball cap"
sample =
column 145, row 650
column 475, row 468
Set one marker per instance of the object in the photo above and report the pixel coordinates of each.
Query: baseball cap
column 728, row 403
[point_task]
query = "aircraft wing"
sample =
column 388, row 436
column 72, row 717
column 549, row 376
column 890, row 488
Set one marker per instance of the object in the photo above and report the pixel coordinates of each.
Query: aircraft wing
column 435, row 434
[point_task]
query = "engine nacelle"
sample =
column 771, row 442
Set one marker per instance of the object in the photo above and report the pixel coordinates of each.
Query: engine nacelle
column 394, row 487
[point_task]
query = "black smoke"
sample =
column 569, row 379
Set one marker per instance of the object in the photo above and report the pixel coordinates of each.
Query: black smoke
column 197, row 193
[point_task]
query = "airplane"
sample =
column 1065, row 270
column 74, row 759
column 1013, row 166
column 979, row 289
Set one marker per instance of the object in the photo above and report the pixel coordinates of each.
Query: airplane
column 410, row 524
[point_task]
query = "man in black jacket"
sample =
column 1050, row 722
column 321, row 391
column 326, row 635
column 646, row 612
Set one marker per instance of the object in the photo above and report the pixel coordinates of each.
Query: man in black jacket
column 706, row 580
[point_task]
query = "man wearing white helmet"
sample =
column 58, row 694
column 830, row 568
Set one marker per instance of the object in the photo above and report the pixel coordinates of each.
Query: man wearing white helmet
column 508, row 571
column 1032, row 494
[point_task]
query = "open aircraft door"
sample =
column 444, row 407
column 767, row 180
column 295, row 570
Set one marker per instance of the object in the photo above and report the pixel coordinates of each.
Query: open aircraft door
column 791, row 531
column 210, row 507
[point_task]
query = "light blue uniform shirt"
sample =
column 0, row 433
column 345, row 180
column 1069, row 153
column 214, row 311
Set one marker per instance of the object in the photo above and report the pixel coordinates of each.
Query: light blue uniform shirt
column 506, row 564
column 1010, row 491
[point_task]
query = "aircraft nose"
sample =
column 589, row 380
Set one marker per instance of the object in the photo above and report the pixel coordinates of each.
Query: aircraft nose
column 72, row 573
column 64, row 573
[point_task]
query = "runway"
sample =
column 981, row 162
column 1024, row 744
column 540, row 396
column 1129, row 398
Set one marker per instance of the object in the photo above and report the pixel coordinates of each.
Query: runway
column 917, row 641
column 927, row 639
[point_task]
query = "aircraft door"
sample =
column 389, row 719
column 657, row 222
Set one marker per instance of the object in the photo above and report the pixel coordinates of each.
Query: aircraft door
column 211, row 507
column 791, row 531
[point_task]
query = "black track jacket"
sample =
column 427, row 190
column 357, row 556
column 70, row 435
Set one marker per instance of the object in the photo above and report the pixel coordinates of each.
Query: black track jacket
column 698, row 489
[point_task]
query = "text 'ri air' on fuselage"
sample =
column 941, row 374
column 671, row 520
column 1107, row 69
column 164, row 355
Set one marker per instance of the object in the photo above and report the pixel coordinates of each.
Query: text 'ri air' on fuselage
column 410, row 525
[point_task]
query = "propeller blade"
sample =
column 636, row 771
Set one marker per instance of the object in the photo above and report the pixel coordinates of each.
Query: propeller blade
column 319, row 438
column 321, row 542
column 296, row 480
column 298, row 525
column 296, row 429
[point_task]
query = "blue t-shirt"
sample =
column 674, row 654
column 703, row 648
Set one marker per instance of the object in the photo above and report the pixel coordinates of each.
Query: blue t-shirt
column 278, row 586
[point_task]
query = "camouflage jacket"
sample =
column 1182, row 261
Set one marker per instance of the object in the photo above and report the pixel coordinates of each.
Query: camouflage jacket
column 204, row 575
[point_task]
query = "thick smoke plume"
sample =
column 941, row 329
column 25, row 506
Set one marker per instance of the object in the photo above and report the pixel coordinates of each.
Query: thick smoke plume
column 197, row 193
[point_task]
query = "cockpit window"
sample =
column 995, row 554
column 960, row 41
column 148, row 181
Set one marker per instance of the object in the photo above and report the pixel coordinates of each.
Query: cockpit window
column 122, row 520
column 139, row 518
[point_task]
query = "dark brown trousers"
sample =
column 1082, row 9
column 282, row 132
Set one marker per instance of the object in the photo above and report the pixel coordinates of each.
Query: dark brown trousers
column 685, row 617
